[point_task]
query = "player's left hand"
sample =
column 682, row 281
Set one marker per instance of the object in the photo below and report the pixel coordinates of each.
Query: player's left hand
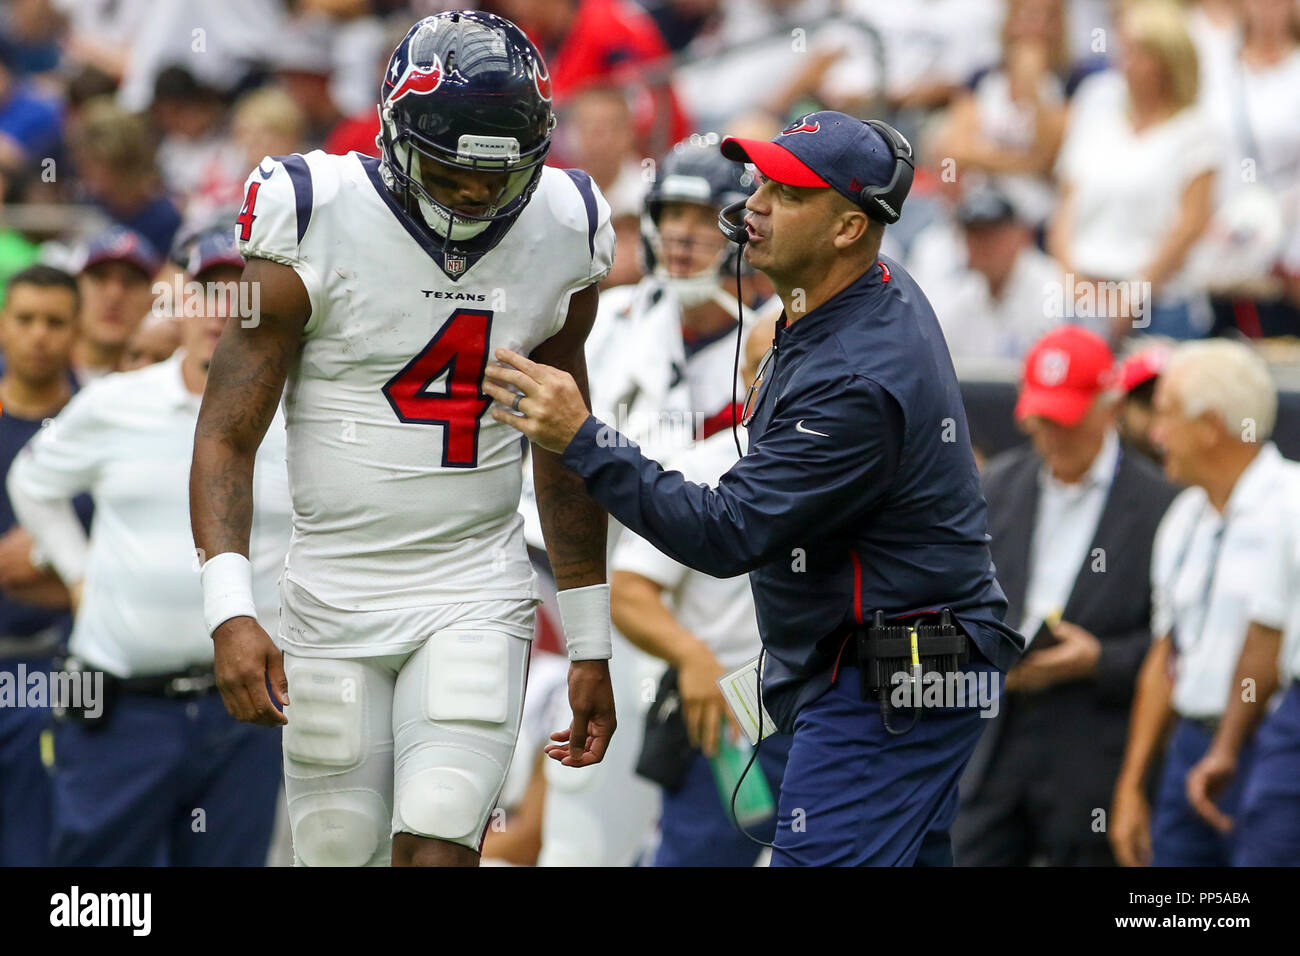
column 1074, row 658
column 552, row 407
column 591, row 697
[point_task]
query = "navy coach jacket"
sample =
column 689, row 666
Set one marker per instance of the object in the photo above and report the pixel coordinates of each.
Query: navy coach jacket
column 858, row 492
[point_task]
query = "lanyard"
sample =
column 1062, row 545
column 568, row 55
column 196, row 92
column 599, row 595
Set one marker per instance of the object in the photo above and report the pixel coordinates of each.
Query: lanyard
column 1208, row 591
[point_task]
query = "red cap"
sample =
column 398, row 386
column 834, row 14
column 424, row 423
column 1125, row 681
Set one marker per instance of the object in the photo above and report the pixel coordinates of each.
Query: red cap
column 1142, row 366
column 1064, row 371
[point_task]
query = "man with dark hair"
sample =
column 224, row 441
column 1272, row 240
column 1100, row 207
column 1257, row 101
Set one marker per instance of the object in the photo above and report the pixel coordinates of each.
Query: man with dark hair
column 38, row 327
column 116, row 289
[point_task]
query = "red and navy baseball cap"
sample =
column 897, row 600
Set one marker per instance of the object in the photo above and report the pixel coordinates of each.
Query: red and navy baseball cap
column 1064, row 372
column 120, row 244
column 214, row 248
column 826, row 149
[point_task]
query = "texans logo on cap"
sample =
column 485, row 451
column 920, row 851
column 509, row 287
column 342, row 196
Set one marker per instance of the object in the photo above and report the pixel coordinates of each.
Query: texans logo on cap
column 802, row 126
column 1052, row 367
column 417, row 79
column 542, row 80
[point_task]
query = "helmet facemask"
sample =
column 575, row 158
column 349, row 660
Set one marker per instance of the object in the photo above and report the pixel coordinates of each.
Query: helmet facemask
column 694, row 289
column 404, row 154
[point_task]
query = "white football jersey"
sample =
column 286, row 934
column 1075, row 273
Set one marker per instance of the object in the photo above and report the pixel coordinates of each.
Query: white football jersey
column 405, row 490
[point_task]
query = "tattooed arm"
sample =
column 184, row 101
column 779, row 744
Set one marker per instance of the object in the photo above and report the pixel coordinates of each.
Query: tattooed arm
column 572, row 523
column 245, row 381
column 574, row 527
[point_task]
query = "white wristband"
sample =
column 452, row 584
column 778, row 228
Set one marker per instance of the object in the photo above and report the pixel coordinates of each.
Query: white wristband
column 227, row 589
column 585, row 615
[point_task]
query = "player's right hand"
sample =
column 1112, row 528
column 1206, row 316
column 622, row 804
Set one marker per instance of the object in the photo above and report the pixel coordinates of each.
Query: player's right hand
column 244, row 659
column 1130, row 827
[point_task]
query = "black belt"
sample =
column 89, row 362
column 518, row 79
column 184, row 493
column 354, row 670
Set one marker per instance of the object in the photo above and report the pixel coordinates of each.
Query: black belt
column 197, row 681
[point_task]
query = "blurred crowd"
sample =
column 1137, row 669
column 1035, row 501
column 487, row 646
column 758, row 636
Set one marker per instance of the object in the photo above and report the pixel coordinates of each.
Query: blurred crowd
column 1097, row 181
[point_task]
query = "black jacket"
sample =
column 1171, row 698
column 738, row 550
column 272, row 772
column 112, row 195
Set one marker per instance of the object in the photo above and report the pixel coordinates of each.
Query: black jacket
column 859, row 490
column 1079, row 728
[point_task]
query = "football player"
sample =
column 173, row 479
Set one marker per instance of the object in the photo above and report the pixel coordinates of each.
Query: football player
column 408, row 597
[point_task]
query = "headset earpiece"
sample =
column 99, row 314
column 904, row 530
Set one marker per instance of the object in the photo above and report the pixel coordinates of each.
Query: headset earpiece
column 731, row 224
column 884, row 204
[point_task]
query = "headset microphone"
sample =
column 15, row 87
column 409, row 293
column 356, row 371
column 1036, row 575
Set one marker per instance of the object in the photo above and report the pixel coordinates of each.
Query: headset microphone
column 731, row 223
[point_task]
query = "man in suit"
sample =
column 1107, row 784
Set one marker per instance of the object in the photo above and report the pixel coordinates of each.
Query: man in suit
column 1072, row 518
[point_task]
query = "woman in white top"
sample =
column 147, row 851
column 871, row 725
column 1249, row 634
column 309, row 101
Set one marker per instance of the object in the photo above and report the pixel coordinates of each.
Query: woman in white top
column 1257, row 102
column 1010, row 124
column 1137, row 176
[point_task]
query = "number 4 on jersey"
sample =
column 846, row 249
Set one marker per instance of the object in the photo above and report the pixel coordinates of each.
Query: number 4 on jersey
column 459, row 349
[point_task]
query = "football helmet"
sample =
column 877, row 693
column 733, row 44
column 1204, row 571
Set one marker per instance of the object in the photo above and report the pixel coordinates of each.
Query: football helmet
column 466, row 89
column 694, row 171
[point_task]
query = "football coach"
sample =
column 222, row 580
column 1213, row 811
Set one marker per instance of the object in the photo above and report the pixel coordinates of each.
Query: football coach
column 857, row 505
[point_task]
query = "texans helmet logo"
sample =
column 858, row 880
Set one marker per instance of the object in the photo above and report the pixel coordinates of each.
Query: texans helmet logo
column 803, row 126
column 542, row 80
column 417, row 79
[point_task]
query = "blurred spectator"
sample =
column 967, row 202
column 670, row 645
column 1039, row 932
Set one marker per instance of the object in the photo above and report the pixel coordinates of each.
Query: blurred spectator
column 1256, row 101
column 37, row 328
column 162, row 775
column 600, row 132
column 1009, row 124
column 703, row 627
column 29, row 121
column 264, row 122
column 586, row 42
column 103, row 34
column 116, row 292
column 190, row 117
column 222, row 42
column 303, row 67
column 1215, row 407
column 1138, row 375
column 1072, row 521
column 932, row 48
column 33, row 28
column 1137, row 171
column 154, row 341
column 114, row 154
column 998, row 305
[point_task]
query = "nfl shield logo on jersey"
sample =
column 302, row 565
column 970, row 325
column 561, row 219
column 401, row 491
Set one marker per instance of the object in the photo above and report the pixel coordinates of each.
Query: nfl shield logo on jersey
column 455, row 265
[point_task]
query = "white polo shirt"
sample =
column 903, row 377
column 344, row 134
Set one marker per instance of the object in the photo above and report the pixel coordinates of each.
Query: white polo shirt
column 1205, row 571
column 127, row 439
column 1275, row 600
column 719, row 611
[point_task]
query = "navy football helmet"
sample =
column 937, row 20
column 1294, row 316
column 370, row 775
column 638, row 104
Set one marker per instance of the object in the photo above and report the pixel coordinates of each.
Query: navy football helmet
column 469, row 90
column 694, row 171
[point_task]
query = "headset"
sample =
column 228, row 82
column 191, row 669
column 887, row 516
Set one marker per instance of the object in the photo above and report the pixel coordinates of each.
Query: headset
column 884, row 204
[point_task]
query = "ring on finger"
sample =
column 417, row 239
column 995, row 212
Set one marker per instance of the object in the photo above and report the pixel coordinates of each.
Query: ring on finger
column 514, row 406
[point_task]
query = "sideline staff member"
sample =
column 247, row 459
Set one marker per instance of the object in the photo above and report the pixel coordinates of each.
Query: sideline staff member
column 859, row 493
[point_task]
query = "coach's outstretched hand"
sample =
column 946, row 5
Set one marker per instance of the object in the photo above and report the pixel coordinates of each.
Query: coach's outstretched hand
column 591, row 697
column 551, row 410
column 244, row 658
